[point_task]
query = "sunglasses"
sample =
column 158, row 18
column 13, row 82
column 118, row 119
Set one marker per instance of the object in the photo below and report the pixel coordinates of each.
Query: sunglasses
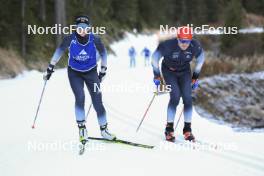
column 83, row 25
column 184, row 41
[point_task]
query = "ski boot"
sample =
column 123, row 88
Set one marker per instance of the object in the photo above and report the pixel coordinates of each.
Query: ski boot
column 83, row 133
column 105, row 133
column 187, row 132
column 169, row 132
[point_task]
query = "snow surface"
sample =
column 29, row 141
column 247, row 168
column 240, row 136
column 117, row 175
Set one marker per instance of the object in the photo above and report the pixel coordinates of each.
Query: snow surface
column 46, row 150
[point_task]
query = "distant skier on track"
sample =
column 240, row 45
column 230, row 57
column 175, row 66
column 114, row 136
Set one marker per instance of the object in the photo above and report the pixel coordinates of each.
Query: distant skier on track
column 82, row 68
column 146, row 53
column 132, row 55
column 178, row 53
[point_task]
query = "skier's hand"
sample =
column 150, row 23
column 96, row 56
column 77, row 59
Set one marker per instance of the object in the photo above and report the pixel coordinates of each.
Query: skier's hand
column 195, row 84
column 48, row 72
column 102, row 73
column 157, row 80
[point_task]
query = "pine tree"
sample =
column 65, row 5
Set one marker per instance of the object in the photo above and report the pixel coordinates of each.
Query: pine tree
column 60, row 17
column 254, row 6
column 212, row 10
column 125, row 12
column 233, row 17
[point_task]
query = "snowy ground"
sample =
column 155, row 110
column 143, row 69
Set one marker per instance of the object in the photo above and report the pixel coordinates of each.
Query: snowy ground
column 47, row 149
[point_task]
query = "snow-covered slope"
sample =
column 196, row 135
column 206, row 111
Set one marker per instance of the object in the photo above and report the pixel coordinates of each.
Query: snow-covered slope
column 51, row 149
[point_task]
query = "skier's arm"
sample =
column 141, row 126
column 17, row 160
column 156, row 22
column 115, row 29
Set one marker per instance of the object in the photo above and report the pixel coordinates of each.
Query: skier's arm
column 56, row 57
column 102, row 51
column 156, row 56
column 60, row 50
column 199, row 63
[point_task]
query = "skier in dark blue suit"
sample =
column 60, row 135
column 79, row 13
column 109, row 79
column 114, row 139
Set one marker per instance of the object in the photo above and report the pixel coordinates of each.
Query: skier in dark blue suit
column 177, row 54
column 132, row 54
column 82, row 69
column 146, row 54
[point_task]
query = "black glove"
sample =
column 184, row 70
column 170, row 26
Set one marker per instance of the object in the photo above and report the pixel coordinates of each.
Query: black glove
column 195, row 83
column 102, row 73
column 48, row 72
column 195, row 75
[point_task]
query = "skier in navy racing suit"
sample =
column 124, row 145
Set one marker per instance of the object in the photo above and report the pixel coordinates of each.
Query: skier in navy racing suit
column 82, row 69
column 178, row 53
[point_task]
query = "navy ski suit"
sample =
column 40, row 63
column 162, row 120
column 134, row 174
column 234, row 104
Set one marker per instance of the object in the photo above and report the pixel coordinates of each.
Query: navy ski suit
column 82, row 69
column 176, row 71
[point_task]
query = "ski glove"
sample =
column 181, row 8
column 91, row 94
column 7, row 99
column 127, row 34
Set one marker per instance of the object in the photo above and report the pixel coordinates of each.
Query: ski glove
column 102, row 73
column 157, row 80
column 48, row 72
column 195, row 82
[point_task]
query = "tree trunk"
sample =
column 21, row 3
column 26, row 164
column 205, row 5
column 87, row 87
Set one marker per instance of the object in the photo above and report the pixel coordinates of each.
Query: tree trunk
column 23, row 35
column 42, row 10
column 60, row 17
column 184, row 15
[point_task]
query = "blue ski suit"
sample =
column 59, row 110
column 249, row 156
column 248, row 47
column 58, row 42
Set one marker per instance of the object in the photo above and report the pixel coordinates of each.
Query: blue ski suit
column 132, row 54
column 82, row 69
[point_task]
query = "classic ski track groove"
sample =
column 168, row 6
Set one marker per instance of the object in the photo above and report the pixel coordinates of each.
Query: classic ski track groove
column 235, row 156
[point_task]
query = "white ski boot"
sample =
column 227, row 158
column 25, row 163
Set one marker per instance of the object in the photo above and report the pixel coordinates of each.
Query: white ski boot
column 105, row 133
column 83, row 133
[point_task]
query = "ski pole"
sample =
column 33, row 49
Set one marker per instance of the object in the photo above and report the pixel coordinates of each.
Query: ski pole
column 155, row 93
column 88, row 111
column 40, row 100
column 179, row 119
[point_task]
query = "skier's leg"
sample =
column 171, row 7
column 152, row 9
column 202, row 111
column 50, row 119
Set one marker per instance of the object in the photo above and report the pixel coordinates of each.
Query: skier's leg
column 148, row 62
column 171, row 80
column 174, row 101
column 77, row 85
column 93, row 84
column 186, row 91
column 130, row 63
column 134, row 62
column 172, row 106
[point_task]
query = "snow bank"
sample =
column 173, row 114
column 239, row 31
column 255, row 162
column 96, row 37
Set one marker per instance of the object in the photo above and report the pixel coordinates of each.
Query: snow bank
column 234, row 98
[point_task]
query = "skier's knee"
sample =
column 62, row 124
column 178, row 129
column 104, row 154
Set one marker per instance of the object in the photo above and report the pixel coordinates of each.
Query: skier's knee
column 187, row 101
column 100, row 110
column 174, row 101
column 79, row 101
